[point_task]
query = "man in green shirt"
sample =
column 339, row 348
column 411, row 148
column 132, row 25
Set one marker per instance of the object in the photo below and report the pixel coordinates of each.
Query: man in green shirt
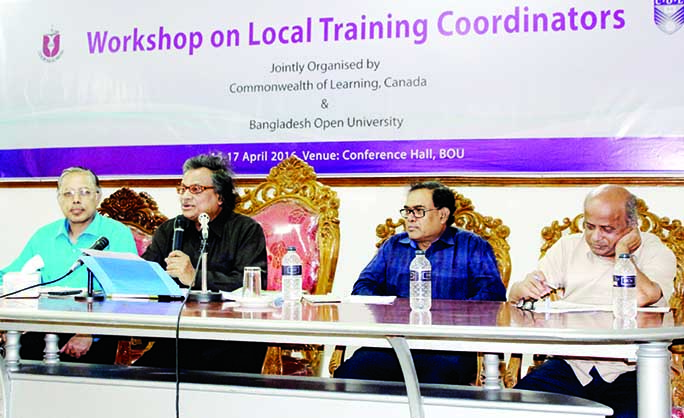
column 59, row 244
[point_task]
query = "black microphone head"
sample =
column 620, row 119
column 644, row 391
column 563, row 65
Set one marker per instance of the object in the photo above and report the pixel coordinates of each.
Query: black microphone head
column 100, row 244
column 181, row 222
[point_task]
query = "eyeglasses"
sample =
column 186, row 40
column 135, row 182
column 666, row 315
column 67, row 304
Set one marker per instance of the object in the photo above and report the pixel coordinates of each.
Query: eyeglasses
column 193, row 188
column 417, row 212
column 70, row 194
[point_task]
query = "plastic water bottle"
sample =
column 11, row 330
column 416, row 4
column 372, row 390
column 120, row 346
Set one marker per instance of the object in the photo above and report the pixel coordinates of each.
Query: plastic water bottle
column 292, row 310
column 624, row 288
column 292, row 275
column 420, row 318
column 420, row 286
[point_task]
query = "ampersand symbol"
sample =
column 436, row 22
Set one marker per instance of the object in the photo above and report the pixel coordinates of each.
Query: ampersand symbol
column 324, row 104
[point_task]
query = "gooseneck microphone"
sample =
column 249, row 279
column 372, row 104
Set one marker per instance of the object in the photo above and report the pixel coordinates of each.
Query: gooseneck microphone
column 204, row 225
column 179, row 225
column 90, row 296
column 100, row 244
column 204, row 295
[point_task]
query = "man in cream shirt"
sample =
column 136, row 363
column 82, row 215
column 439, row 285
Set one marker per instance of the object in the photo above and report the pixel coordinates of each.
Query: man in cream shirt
column 583, row 264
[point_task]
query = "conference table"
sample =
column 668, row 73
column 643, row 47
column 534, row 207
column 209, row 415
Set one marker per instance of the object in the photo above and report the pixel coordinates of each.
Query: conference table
column 488, row 327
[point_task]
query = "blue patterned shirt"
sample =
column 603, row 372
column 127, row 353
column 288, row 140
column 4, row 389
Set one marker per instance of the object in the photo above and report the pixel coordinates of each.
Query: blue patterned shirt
column 463, row 268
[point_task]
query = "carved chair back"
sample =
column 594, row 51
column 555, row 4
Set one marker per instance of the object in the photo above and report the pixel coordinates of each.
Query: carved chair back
column 138, row 211
column 293, row 208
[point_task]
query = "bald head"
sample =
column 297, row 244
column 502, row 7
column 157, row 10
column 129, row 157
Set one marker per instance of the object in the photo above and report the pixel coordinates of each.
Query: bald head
column 609, row 214
column 617, row 198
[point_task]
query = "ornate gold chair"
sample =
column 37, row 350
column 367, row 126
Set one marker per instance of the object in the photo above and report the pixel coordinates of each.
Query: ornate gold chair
column 465, row 217
column 671, row 233
column 139, row 212
column 293, row 208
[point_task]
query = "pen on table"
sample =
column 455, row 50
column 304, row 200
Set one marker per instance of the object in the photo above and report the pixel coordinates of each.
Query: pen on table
column 545, row 283
column 170, row 298
column 547, row 297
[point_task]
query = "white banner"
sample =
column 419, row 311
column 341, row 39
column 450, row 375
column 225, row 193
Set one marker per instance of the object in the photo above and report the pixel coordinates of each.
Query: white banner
column 400, row 86
column 131, row 73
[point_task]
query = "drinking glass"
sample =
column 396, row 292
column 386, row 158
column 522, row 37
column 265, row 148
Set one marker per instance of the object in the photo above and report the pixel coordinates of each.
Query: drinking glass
column 251, row 282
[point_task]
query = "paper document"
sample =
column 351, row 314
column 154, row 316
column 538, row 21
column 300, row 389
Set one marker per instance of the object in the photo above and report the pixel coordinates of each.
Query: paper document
column 128, row 274
column 561, row 306
column 329, row 298
column 370, row 300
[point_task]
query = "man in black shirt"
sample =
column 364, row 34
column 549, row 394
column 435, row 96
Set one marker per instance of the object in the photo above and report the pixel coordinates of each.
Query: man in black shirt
column 234, row 242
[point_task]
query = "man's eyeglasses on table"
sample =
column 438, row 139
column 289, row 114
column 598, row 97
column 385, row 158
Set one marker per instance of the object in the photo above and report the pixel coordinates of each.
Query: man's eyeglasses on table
column 416, row 212
column 193, row 188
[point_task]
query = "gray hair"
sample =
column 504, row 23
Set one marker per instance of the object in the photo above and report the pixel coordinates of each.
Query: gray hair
column 78, row 169
column 631, row 211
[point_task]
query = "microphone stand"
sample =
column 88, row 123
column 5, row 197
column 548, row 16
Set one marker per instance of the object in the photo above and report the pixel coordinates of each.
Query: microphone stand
column 90, row 296
column 204, row 295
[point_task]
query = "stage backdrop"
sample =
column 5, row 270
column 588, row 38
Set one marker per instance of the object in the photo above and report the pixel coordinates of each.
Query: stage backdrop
column 132, row 88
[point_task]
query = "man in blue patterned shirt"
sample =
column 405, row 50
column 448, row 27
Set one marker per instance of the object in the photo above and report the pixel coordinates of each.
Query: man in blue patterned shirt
column 463, row 268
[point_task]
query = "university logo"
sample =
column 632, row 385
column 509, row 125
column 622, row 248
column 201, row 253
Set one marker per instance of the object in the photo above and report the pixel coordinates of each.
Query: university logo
column 52, row 50
column 668, row 15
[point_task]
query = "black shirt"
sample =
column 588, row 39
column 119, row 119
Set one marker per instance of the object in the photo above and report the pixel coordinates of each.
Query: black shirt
column 235, row 241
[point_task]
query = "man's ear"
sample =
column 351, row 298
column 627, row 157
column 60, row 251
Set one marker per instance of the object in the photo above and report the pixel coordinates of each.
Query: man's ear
column 443, row 215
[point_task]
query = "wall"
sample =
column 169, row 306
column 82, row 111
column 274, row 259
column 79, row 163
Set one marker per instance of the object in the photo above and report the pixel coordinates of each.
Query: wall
column 524, row 209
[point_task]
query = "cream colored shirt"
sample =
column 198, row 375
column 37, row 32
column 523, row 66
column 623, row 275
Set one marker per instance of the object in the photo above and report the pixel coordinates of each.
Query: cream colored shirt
column 588, row 278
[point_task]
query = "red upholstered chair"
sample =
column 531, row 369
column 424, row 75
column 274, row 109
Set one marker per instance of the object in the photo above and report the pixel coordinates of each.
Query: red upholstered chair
column 139, row 212
column 293, row 208
column 289, row 223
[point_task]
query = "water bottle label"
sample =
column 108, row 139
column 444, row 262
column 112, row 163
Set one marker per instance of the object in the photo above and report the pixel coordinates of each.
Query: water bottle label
column 292, row 270
column 423, row 275
column 624, row 281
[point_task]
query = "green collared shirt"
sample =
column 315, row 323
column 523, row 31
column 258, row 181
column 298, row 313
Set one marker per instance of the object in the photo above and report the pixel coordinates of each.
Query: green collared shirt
column 52, row 243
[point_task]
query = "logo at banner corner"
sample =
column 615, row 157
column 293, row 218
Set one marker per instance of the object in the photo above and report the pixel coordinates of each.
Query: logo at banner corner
column 668, row 15
column 51, row 50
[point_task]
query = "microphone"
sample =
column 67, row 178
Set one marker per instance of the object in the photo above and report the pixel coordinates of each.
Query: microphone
column 178, row 230
column 204, row 295
column 204, row 224
column 90, row 296
column 100, row 244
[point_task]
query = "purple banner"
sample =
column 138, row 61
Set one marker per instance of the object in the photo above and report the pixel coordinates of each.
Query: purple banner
column 362, row 158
